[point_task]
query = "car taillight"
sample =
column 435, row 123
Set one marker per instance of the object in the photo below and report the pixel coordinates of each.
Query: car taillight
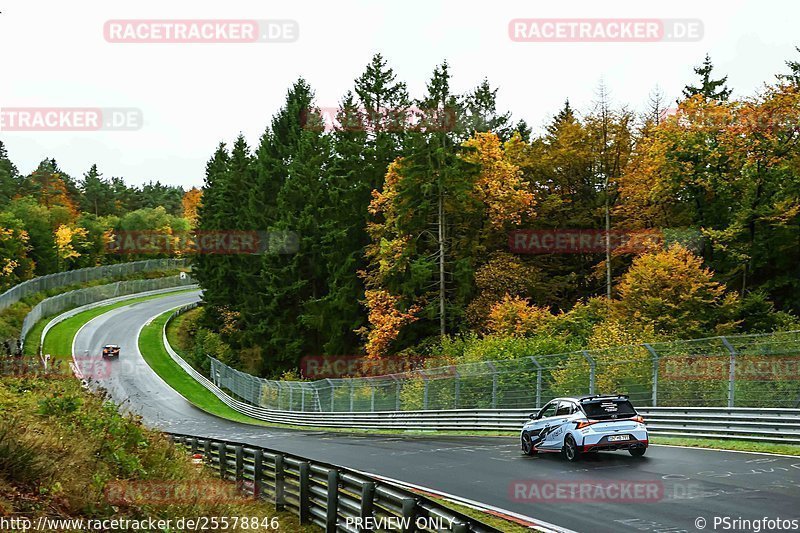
column 638, row 418
column 582, row 424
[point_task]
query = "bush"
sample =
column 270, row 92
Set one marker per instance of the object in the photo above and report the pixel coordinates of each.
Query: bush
column 671, row 290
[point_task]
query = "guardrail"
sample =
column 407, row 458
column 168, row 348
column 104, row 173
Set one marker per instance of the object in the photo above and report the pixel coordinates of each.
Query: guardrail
column 754, row 424
column 332, row 497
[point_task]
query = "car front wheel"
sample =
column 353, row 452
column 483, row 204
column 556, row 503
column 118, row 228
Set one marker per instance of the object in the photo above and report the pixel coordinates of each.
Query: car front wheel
column 527, row 445
column 570, row 449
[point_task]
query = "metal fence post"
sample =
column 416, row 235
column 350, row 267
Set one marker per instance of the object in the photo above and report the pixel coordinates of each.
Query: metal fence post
column 258, row 473
column 409, row 509
column 655, row 372
column 731, row 372
column 494, row 383
column 538, row 382
column 396, row 393
column 371, row 397
column 280, row 484
column 304, row 494
column 222, row 451
column 424, row 390
column 457, row 386
column 302, row 398
column 352, row 393
column 332, row 506
column 239, row 462
column 367, row 502
column 332, row 387
column 592, row 367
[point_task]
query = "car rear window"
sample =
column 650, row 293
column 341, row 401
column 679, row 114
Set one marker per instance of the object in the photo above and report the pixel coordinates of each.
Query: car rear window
column 601, row 409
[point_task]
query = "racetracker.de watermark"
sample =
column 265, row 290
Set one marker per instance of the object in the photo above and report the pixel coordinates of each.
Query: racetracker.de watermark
column 582, row 241
column 70, row 119
column 745, row 368
column 337, row 366
column 383, row 119
column 160, row 493
column 221, row 242
column 201, row 31
column 47, row 366
column 551, row 30
column 586, row 491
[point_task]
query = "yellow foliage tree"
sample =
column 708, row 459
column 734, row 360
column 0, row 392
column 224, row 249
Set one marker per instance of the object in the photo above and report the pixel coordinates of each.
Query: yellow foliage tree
column 192, row 200
column 68, row 240
column 499, row 185
column 515, row 316
column 673, row 293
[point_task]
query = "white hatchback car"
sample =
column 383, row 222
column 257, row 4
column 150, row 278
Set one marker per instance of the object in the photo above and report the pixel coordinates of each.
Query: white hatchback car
column 573, row 426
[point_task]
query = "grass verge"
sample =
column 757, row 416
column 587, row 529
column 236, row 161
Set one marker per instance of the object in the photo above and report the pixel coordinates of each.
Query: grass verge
column 506, row 526
column 58, row 342
column 738, row 445
column 151, row 346
column 178, row 336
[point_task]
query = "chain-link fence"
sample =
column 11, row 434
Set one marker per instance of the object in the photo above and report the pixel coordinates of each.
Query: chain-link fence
column 89, row 295
column 734, row 371
column 83, row 275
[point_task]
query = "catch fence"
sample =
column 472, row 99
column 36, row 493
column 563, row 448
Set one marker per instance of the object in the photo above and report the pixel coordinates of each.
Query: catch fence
column 732, row 371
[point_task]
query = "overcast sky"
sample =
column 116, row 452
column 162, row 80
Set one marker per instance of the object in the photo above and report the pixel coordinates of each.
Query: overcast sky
column 194, row 95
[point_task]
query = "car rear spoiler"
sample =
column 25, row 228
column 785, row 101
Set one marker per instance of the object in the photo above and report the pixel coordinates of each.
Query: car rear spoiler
column 604, row 397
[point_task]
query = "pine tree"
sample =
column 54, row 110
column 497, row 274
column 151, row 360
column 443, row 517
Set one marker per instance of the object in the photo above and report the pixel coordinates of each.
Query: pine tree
column 481, row 115
column 343, row 216
column 709, row 88
column 9, row 177
column 292, row 282
column 209, row 269
column 374, row 120
column 793, row 76
column 524, row 130
column 565, row 117
column 96, row 193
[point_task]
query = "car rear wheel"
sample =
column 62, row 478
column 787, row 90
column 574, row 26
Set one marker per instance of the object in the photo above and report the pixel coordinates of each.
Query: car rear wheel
column 637, row 452
column 570, row 449
column 527, row 445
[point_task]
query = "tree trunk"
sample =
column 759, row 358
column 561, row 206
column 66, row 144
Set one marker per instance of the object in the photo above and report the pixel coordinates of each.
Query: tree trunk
column 441, row 264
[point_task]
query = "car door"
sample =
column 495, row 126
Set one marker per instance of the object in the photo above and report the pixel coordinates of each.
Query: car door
column 558, row 423
column 540, row 425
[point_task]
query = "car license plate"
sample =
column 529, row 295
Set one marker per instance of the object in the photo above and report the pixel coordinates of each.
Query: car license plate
column 614, row 438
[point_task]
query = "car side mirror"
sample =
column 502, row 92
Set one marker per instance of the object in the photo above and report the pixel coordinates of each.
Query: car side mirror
column 532, row 416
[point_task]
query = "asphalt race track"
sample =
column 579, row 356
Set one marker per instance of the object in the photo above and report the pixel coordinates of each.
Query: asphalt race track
column 675, row 485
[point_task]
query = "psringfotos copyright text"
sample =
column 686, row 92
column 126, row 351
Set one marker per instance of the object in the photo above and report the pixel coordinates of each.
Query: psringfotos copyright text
column 756, row 525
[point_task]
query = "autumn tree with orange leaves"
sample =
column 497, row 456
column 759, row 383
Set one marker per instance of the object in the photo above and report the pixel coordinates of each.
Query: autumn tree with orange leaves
column 191, row 203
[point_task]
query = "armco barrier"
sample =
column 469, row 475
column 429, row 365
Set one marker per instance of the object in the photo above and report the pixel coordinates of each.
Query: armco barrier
column 754, row 424
column 331, row 497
